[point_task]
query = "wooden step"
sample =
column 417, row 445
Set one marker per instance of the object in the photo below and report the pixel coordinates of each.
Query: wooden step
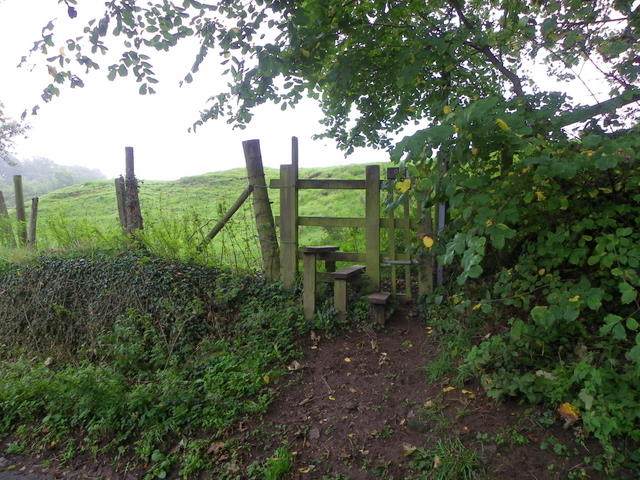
column 379, row 298
column 348, row 273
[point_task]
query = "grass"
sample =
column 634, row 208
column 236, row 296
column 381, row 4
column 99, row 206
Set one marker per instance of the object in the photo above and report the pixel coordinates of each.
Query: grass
column 178, row 214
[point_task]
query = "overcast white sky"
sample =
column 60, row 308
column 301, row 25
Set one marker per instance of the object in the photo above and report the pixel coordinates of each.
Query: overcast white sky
column 91, row 126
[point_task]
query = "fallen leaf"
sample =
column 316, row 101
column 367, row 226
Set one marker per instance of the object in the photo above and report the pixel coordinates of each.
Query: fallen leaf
column 448, row 389
column 384, row 358
column 215, row 447
column 347, row 359
column 408, row 449
column 467, row 392
column 332, row 398
column 437, row 461
column 266, row 379
column 293, row 366
column 543, row 374
column 306, row 469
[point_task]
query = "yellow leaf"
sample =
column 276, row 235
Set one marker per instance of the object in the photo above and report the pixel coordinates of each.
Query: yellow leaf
column 541, row 272
column 448, row 389
column 489, row 223
column 477, row 306
column 226, row 55
column 266, row 379
column 456, row 128
column 347, row 359
column 466, row 392
column 332, row 398
column 306, row 53
column 408, row 449
column 61, row 51
column 568, row 411
column 447, row 109
column 540, row 196
column 306, row 469
column 502, row 125
column 575, row 299
column 403, row 186
column 427, row 241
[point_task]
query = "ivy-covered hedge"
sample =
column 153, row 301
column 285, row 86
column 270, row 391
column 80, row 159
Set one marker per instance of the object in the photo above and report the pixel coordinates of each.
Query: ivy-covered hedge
column 60, row 303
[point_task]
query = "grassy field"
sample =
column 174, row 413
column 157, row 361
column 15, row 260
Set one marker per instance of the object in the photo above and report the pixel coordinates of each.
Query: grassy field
column 178, row 214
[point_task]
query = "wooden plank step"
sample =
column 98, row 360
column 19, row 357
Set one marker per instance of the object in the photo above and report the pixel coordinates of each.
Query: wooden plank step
column 320, row 249
column 379, row 298
column 349, row 272
column 386, row 261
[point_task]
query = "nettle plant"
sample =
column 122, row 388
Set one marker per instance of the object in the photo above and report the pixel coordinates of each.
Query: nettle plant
column 544, row 240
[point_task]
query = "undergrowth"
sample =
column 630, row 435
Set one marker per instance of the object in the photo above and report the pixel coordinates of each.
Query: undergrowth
column 188, row 352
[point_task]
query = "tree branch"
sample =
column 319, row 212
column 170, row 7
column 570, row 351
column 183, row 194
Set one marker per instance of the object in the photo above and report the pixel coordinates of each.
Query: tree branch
column 585, row 113
column 486, row 51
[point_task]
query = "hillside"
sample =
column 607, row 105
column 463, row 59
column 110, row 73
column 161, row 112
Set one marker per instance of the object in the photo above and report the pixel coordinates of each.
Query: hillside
column 178, row 214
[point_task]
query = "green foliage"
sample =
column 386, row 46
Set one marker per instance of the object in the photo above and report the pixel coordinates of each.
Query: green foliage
column 544, row 238
column 144, row 381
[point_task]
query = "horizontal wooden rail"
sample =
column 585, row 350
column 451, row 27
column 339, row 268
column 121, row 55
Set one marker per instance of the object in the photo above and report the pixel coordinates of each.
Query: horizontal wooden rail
column 324, row 184
column 340, row 256
column 345, row 222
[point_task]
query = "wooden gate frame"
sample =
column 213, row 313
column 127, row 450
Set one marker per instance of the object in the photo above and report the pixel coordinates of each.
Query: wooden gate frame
column 289, row 220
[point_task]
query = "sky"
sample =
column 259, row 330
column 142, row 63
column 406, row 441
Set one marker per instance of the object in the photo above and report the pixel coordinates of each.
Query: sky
column 91, row 126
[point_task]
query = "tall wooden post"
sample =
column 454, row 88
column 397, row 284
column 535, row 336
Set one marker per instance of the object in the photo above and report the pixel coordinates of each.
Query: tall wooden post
column 33, row 222
column 288, row 226
column 4, row 214
column 372, row 225
column 132, row 203
column 262, row 210
column 121, row 200
column 20, row 213
column 425, row 269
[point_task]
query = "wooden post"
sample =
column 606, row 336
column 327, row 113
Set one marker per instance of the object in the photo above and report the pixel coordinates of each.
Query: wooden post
column 406, row 210
column 223, row 221
column 294, row 156
column 4, row 214
column 340, row 297
column 288, row 226
column 372, row 225
column 33, row 221
column 20, row 213
column 121, row 200
column 262, row 209
column 425, row 268
column 132, row 202
column 309, row 282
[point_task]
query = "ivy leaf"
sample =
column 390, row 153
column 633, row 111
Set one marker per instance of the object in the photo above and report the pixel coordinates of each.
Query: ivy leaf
column 629, row 293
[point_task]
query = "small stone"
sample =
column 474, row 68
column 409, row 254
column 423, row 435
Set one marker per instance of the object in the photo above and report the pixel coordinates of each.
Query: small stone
column 314, row 433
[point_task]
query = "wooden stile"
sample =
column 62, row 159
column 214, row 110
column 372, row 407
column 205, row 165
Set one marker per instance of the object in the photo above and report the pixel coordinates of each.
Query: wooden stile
column 288, row 226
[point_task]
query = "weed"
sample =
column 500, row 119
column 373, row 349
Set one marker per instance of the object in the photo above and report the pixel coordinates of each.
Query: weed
column 447, row 460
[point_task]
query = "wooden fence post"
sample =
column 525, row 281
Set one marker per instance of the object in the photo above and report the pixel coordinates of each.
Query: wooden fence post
column 262, row 209
column 121, row 200
column 288, row 226
column 4, row 214
column 20, row 213
column 372, row 224
column 33, row 221
column 134, row 215
column 425, row 269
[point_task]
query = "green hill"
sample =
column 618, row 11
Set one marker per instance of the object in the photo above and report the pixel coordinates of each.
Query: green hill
column 178, row 214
